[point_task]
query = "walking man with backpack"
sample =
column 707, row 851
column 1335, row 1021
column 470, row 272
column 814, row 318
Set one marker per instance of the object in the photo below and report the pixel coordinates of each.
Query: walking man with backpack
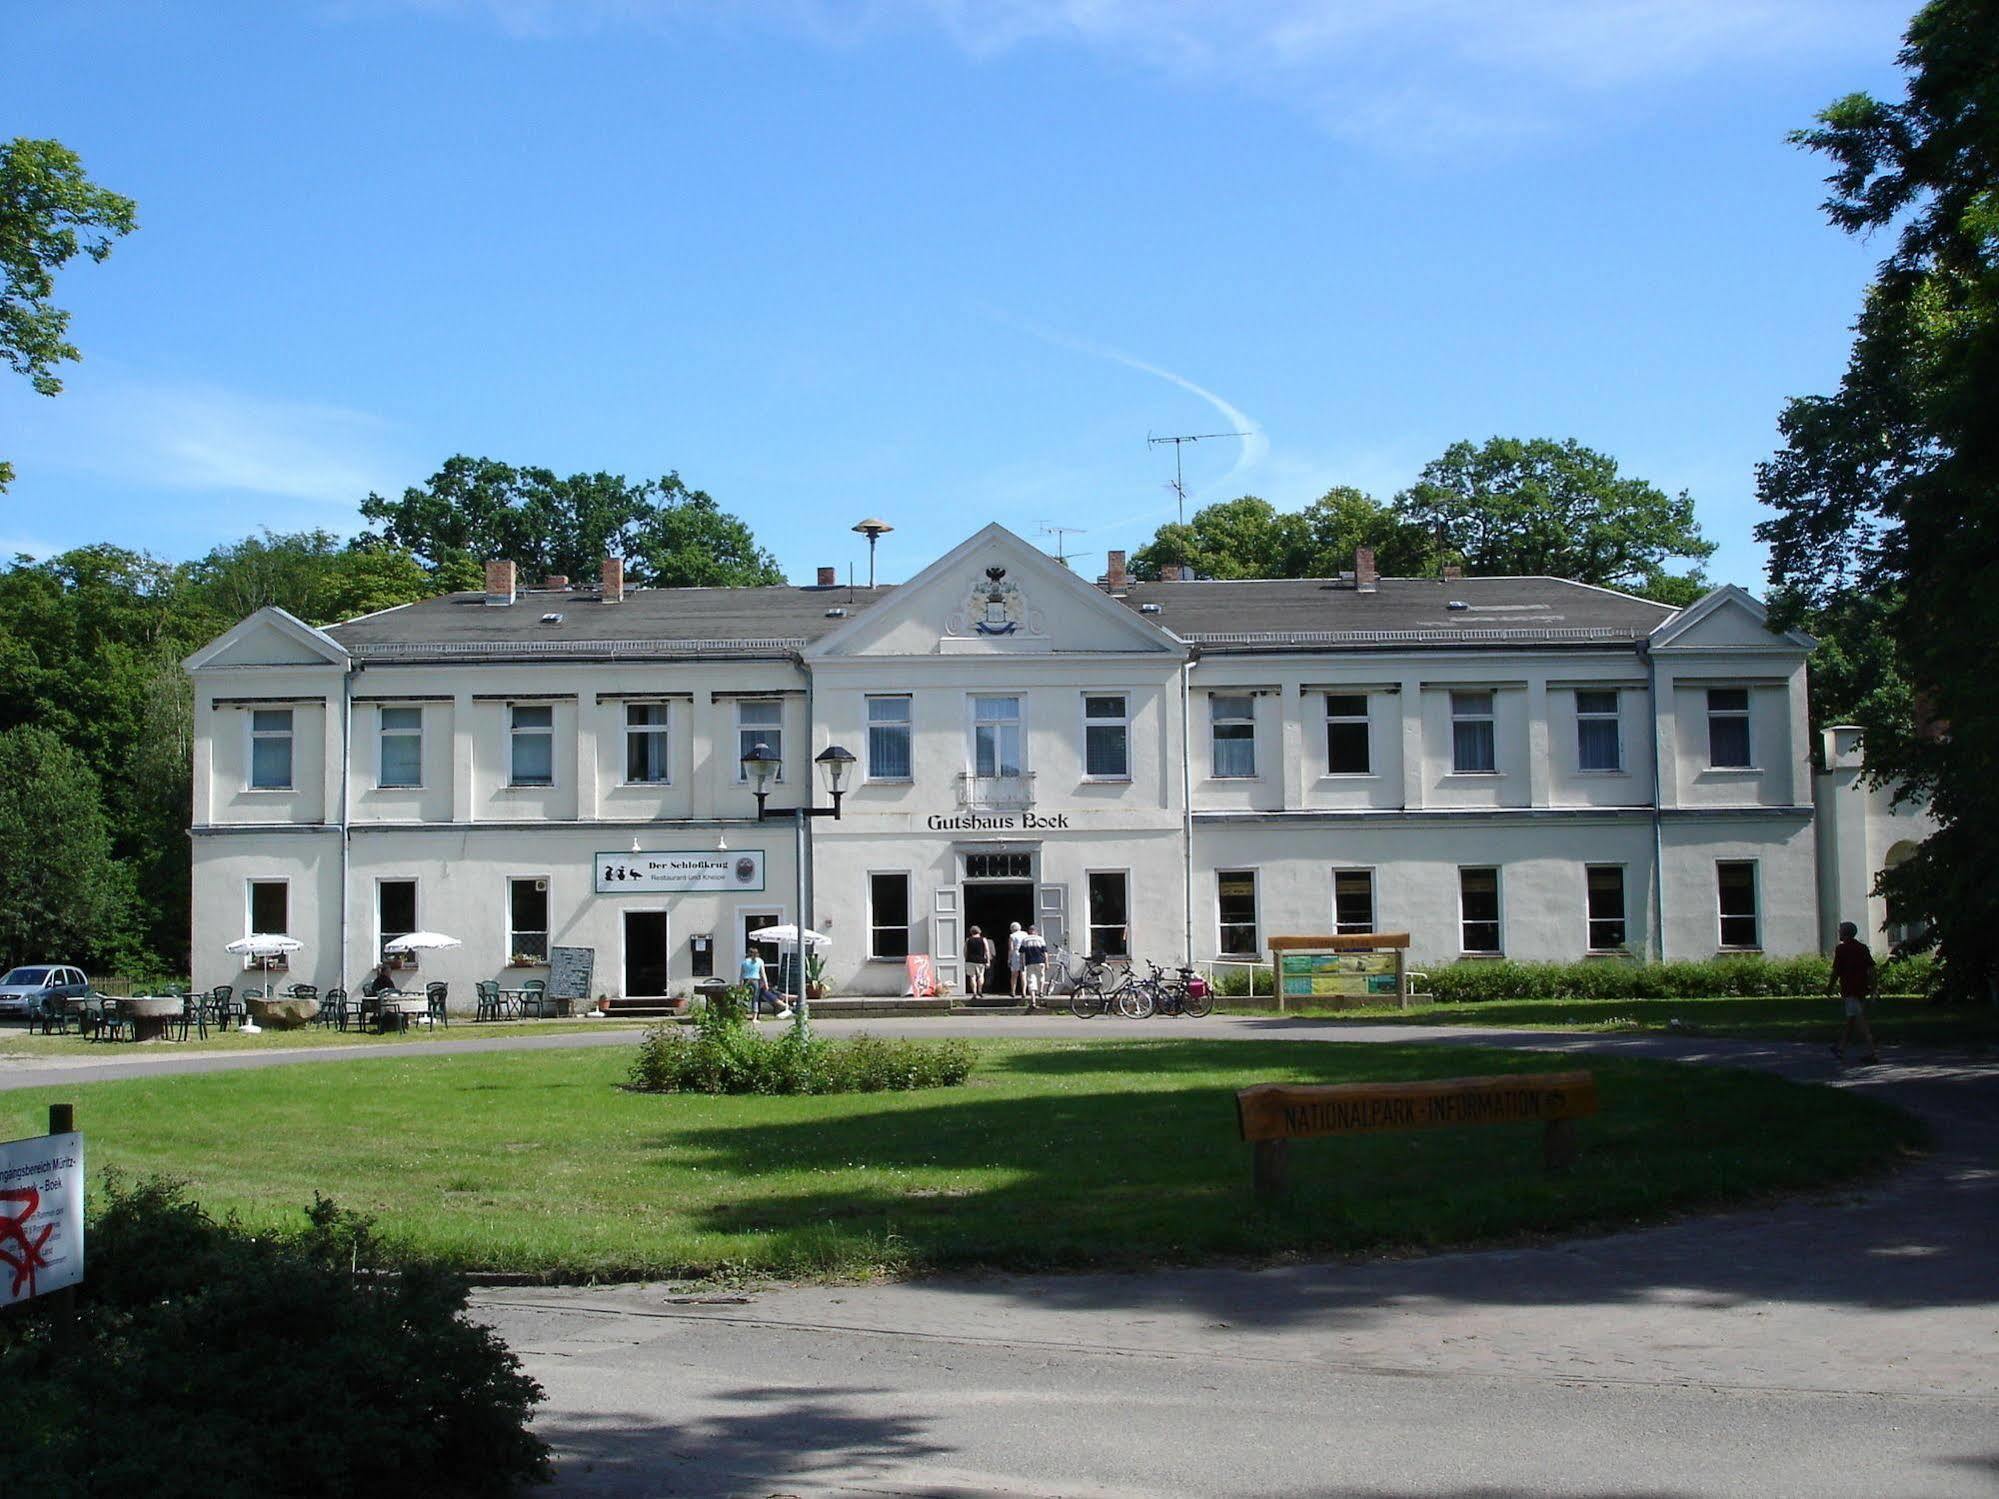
column 1853, row 974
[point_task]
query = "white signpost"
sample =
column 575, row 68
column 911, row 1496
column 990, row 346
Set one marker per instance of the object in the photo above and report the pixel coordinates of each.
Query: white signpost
column 679, row 872
column 41, row 1215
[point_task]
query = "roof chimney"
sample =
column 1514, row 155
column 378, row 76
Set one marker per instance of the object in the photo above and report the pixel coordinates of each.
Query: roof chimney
column 1452, row 572
column 1364, row 575
column 614, row 580
column 1169, row 572
column 1115, row 577
column 499, row 582
column 556, row 580
column 829, row 577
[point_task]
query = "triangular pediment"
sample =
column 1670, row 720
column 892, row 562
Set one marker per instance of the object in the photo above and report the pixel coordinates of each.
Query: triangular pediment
column 270, row 637
column 996, row 595
column 1729, row 619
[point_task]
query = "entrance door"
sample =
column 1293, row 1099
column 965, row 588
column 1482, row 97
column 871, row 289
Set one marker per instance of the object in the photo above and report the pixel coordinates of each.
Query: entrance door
column 994, row 905
column 645, row 954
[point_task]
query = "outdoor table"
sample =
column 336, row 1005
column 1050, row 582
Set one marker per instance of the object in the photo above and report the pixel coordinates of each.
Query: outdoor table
column 149, row 1014
column 514, row 1001
column 398, row 1008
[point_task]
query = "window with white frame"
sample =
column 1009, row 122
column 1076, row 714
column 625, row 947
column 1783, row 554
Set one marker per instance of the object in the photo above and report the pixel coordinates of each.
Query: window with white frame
column 527, row 919
column 1735, row 882
column 888, row 915
column 270, row 907
column 1604, row 884
column 1478, row 910
column 1728, row 728
column 888, row 739
column 1110, row 912
column 647, row 744
column 1232, row 731
column 271, row 749
column 1346, row 734
column 395, row 910
column 1472, row 737
column 1353, row 900
column 1599, row 738
column 400, row 760
column 1235, row 910
column 531, row 735
column 760, row 721
column 996, row 737
column 1106, row 738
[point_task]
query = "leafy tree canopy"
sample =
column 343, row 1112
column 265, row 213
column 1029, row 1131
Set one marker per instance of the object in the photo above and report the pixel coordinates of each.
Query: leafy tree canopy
column 478, row 509
column 63, row 899
column 1886, row 493
column 50, row 212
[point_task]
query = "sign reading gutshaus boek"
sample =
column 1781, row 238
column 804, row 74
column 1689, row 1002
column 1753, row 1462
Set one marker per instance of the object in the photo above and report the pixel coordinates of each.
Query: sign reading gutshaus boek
column 41, row 1215
column 680, row 872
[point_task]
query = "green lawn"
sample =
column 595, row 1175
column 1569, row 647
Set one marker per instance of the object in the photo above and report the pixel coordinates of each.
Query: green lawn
column 16, row 1044
column 1897, row 1022
column 1093, row 1152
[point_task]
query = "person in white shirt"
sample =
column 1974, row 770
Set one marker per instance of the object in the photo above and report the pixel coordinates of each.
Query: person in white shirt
column 1014, row 938
column 1034, row 965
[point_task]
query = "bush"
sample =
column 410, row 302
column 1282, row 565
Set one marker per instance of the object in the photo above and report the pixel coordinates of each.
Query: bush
column 1745, row 977
column 1242, row 983
column 207, row 1361
column 724, row 1054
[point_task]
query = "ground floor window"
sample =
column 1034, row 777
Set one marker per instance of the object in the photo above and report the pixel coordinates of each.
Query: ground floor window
column 1110, row 913
column 395, row 909
column 1605, row 884
column 888, row 915
column 1478, row 910
column 1353, row 900
column 1235, row 903
column 270, row 906
column 527, row 919
column 1736, row 882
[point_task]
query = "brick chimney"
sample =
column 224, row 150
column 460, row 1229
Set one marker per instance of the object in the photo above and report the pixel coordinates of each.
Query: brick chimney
column 829, row 577
column 556, row 580
column 1452, row 572
column 1364, row 576
column 499, row 583
column 1115, row 577
column 614, row 580
column 1169, row 572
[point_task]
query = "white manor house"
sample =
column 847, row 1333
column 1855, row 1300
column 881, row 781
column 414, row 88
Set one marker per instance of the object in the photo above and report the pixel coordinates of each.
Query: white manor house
column 1178, row 770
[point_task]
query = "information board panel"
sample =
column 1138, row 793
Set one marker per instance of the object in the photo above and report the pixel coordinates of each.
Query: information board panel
column 569, row 971
column 1313, row 975
column 41, row 1215
column 680, row 872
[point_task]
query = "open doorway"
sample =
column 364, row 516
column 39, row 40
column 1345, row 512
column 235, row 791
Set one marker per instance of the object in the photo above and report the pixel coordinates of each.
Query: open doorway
column 645, row 954
column 993, row 906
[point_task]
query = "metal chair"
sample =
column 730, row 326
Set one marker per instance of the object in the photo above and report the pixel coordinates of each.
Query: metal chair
column 435, row 994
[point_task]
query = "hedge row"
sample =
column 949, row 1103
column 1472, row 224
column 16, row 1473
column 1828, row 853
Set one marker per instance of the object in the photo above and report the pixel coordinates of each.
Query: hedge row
column 1746, row 977
column 723, row 1054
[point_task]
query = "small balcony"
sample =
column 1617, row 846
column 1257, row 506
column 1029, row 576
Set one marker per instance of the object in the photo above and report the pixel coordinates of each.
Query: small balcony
column 995, row 793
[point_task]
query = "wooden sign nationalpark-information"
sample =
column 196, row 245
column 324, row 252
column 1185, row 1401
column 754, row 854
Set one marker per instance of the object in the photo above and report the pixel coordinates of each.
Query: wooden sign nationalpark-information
column 1271, row 1114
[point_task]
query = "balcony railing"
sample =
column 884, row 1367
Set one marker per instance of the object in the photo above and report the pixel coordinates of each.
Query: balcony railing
column 995, row 793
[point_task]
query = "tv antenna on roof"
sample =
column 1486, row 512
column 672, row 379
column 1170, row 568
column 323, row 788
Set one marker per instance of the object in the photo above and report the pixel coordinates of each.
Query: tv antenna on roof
column 1062, row 554
column 1179, row 484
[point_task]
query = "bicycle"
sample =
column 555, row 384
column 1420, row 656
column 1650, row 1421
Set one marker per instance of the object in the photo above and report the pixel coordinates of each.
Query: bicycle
column 1090, row 996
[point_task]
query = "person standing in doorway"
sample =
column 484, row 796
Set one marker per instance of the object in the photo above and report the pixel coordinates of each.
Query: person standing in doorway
column 978, row 954
column 762, row 996
column 1034, row 965
column 1853, row 974
column 1014, row 938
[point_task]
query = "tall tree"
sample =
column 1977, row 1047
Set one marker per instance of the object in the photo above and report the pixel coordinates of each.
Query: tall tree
column 1540, row 507
column 50, row 212
column 476, row 509
column 1890, row 487
column 63, row 898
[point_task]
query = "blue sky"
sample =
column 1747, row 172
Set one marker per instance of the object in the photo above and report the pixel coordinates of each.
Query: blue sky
column 942, row 261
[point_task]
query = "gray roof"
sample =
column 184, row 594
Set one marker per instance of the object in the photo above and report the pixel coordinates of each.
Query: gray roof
column 1238, row 615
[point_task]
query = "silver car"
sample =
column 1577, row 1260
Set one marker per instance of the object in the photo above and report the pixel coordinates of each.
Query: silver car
column 23, row 989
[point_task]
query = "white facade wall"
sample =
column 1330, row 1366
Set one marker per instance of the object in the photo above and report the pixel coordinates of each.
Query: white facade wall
column 1414, row 818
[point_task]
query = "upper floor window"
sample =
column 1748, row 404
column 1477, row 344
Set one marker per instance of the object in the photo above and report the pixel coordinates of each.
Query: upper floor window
column 1233, row 727
column 1353, row 900
column 1605, row 893
column 1736, row 892
column 1599, row 744
column 646, row 745
column 271, row 749
column 1728, row 727
column 888, row 739
column 400, row 762
column 996, row 740
column 1478, row 910
column 1346, row 734
column 760, row 721
column 531, row 731
column 1106, row 739
column 1472, row 742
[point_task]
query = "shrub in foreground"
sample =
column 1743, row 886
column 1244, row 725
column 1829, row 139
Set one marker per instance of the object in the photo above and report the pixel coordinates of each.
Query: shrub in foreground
column 207, row 1361
column 724, row 1054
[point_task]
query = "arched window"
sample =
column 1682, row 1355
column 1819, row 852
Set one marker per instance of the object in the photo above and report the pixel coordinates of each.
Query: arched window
column 1901, row 927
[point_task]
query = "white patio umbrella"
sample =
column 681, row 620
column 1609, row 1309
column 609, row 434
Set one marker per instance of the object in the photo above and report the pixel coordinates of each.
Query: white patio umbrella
column 420, row 942
column 263, row 946
column 787, row 936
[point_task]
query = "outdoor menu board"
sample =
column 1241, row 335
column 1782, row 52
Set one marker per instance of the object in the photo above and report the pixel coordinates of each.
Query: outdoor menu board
column 569, row 972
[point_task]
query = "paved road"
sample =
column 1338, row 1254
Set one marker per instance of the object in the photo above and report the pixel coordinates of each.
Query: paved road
column 1841, row 1344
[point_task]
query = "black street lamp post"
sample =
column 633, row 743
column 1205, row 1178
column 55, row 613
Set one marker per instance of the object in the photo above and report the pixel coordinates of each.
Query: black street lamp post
column 760, row 766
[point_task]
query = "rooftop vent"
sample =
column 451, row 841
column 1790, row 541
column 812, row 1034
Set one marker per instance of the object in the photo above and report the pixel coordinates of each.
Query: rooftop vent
column 836, row 613
column 551, row 619
column 1457, row 604
column 1148, row 608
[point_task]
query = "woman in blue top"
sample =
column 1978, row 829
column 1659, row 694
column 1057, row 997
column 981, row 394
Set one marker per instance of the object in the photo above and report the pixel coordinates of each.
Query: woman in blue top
column 757, row 977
